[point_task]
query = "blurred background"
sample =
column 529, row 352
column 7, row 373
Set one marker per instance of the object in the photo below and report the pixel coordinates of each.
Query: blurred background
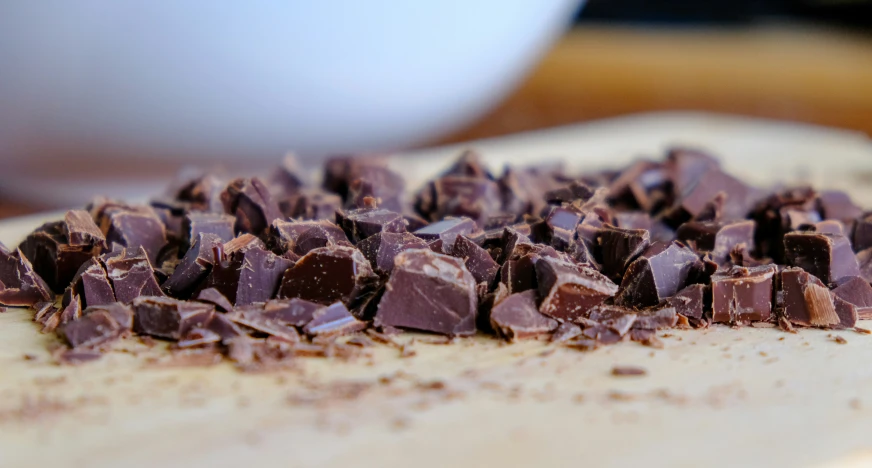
column 798, row 60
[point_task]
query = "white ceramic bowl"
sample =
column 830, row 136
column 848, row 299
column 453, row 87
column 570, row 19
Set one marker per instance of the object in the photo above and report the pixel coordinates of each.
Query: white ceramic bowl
column 190, row 79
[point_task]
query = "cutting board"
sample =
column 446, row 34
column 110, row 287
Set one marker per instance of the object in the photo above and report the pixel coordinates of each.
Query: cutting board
column 715, row 397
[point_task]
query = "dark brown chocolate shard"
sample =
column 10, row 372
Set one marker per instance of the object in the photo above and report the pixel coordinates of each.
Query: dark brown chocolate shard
column 780, row 213
column 616, row 319
column 643, row 185
column 661, row 271
column 52, row 257
column 690, row 301
column 333, row 320
column 717, row 238
column 837, row 205
column 380, row 249
column 194, row 267
column 214, row 297
column 164, row 317
column 740, row 198
column 808, row 302
column 379, row 183
column 223, row 327
column 132, row 275
column 81, row 231
column 569, row 290
column 198, row 337
column 20, row 285
column 557, row 227
column 619, row 247
column 95, row 329
column 329, row 274
column 522, row 188
column 864, row 262
column 828, row 257
column 469, row 164
column 72, row 308
column 293, row 312
column 517, row 317
column 858, row 292
column 363, row 223
column 633, row 220
column 121, row 313
column 447, row 230
column 483, row 268
column 687, row 165
column 252, row 317
column 861, row 236
column 247, row 275
column 217, row 224
column 288, row 178
column 198, row 191
column 252, row 204
column 429, row 292
column 93, row 284
column 133, row 228
column 452, row 195
column 520, row 274
column 565, row 331
column 303, row 236
column 742, row 295
column 656, row 318
column 311, row 204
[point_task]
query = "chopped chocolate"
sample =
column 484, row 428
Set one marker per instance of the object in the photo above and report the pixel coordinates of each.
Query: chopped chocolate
column 198, row 337
column 121, row 313
column 379, row 183
column 642, row 186
column 164, row 317
column 830, row 226
column 303, row 236
column 20, row 285
column 333, row 320
column 380, row 249
column 81, row 231
column 329, row 274
column 248, row 274
column 135, row 227
column 223, row 327
column 565, row 332
column 200, row 192
column 808, row 302
column 93, row 284
column 132, row 275
column 837, row 205
column 826, row 256
column 287, row 179
column 363, row 223
column 858, row 292
column 456, row 195
column 517, row 317
column 661, row 271
column 51, row 255
column 741, row 295
column 619, row 248
column 447, row 230
column 218, row 224
column 861, row 238
column 690, row 301
column 214, row 297
column 483, row 268
column 557, row 227
column 252, row 204
column 740, row 198
column 311, row 204
column 631, row 371
column 864, row 262
column 686, row 166
column 618, row 320
column 194, row 267
column 656, row 318
column 569, row 290
column 252, row 316
column 634, row 220
column 92, row 330
column 717, row 238
column 429, row 292
column 293, row 312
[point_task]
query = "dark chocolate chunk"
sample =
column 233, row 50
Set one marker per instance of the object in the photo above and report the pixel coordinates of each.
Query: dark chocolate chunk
column 380, row 249
column 93, row 284
column 686, row 166
column 741, row 295
column 517, row 317
column 53, row 256
column 249, row 274
column 830, row 226
column 214, row 297
column 121, row 313
column 864, row 261
column 380, row 183
column 861, row 237
column 826, row 256
column 476, row 198
column 469, row 164
column 575, row 191
column 164, row 317
column 690, row 301
column 429, row 292
column 199, row 192
column 619, row 248
column 565, row 332
column 92, row 330
column 569, row 290
column 287, row 179
column 218, row 224
column 252, row 204
column 81, row 231
column 252, row 317
column 808, row 302
column 135, row 227
column 837, row 205
column 483, row 268
column 312, row 204
column 223, row 327
column 857, row 291
column 72, row 307
column 740, row 198
column 520, row 274
column 294, row 312
column 447, row 230
column 303, row 236
column 363, row 223
column 333, row 320
column 557, row 227
column 656, row 318
column 617, row 320
column 661, row 271
column 634, row 220
column 329, row 274
column 780, row 213
column 132, row 275
column 642, row 186
column 20, row 285
column 194, row 266
column 198, row 337
column 717, row 238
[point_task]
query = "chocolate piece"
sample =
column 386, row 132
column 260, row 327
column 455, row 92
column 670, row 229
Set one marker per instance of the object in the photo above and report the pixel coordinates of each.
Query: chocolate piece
column 194, row 266
column 287, row 178
column 619, row 248
column 830, row 226
column 197, row 337
column 447, row 230
column 861, row 237
column 569, row 290
column 808, row 302
column 252, row 316
column 618, row 320
column 717, row 238
column 19, row 283
column 557, row 227
column 452, row 195
column 199, row 191
column 311, row 204
column 93, row 284
column 641, row 186
column 622, row 371
column 248, row 274
column 483, row 268
column 858, row 292
column 779, row 214
column 132, row 275
column 363, row 223
column 864, row 262
column 72, row 307
column 252, row 204
column 517, row 317
column 522, row 188
column 135, row 227
column 294, row 312
column 51, row 253
column 218, row 224
column 329, row 274
column 214, row 297
column 429, row 292
column 469, row 164
column 826, row 256
column 80, row 230
column 690, row 301
column 656, row 318
column 686, row 166
column 565, row 332
column 333, row 320
column 380, row 249
column 92, row 330
column 296, row 236
column 380, row 183
column 740, row 198
column 634, row 220
column 164, row 317
column 121, row 313
column 223, row 327
column 837, row 205
column 660, row 272
column 742, row 295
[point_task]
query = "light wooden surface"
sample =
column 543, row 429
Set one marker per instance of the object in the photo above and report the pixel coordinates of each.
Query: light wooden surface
column 718, row 397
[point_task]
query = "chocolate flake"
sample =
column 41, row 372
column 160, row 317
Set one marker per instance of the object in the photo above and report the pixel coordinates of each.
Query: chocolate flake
column 517, row 317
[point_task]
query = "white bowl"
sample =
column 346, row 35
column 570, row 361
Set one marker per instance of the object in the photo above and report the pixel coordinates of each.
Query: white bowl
column 188, row 79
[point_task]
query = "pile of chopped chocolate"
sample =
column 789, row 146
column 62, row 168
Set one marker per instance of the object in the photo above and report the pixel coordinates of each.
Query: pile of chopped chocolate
column 264, row 269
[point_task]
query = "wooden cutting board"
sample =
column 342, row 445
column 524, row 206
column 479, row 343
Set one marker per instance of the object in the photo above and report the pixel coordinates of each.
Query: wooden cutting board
column 716, row 397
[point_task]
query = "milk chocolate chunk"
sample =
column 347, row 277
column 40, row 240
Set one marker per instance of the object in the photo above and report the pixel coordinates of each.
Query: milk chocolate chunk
column 661, row 271
column 837, row 205
column 717, row 238
column 742, row 295
column 194, row 267
column 248, row 275
column 214, row 297
column 483, row 268
column 135, row 227
column 311, row 204
column 447, row 230
column 217, row 224
column 808, row 302
column 569, row 290
column 92, row 330
column 517, row 317
column 93, row 284
column 826, row 256
column 20, row 285
column 380, row 249
column 363, row 223
column 619, row 248
column 429, row 292
column 329, row 274
column 690, row 301
column 656, row 318
column 858, row 292
column 132, row 275
column 252, row 204
column 164, row 317
column 333, row 320
column 294, row 312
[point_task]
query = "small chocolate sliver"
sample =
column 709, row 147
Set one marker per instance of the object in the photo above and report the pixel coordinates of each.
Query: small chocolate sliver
column 447, row 230
column 569, row 290
column 214, row 297
column 164, row 317
column 826, row 256
column 565, row 332
column 483, row 268
column 517, row 317
column 625, row 371
column 253, row 318
column 92, row 330
column 194, row 267
column 656, row 318
column 743, row 294
column 294, row 312
column 334, row 320
column 121, row 313
column 857, row 291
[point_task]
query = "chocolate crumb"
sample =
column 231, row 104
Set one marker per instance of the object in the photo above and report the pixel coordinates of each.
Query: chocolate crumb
column 622, row 371
column 840, row 340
